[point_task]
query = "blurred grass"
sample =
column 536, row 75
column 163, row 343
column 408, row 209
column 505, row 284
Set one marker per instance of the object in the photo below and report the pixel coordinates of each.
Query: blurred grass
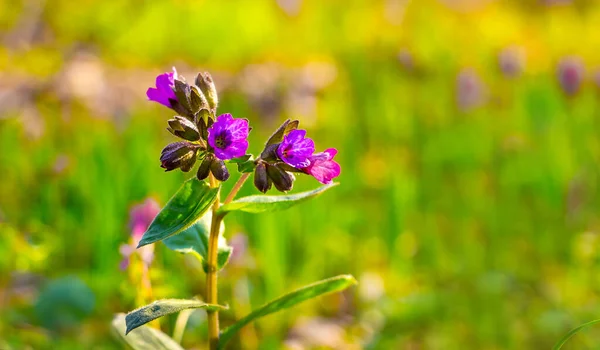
column 480, row 225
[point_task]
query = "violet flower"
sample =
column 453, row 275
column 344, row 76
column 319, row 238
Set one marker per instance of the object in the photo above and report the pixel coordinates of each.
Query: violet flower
column 570, row 75
column 229, row 137
column 296, row 149
column 322, row 166
column 140, row 218
column 165, row 83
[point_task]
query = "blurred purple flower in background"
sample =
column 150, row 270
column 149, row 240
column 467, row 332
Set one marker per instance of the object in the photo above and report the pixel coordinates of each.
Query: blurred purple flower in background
column 165, row 84
column 322, row 166
column 296, row 149
column 570, row 75
column 469, row 89
column 511, row 62
column 229, row 136
column 140, row 217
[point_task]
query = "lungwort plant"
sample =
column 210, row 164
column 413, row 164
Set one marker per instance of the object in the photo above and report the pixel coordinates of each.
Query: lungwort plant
column 192, row 221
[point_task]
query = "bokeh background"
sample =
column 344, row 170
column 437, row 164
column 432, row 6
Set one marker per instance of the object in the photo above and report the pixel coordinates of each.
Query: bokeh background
column 467, row 132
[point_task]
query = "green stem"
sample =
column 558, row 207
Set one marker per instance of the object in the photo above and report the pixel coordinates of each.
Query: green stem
column 211, row 275
column 236, row 188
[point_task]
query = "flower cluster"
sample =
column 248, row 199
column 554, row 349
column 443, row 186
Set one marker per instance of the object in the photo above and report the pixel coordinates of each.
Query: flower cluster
column 212, row 140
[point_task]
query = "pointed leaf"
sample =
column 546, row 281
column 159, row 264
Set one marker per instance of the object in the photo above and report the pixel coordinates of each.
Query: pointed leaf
column 190, row 202
column 260, row 204
column 330, row 285
column 145, row 338
column 575, row 330
column 161, row 308
column 194, row 240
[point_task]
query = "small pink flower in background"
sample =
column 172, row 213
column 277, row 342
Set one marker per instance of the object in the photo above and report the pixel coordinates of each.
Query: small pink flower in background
column 511, row 62
column 470, row 90
column 570, row 75
column 140, row 217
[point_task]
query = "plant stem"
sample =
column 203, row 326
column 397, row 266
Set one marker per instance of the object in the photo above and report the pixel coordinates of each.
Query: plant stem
column 211, row 274
column 236, row 188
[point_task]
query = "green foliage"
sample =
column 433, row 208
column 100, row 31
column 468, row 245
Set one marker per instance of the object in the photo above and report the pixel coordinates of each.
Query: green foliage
column 145, row 338
column 330, row 285
column 574, row 331
column 194, row 240
column 160, row 308
column 190, row 202
column 260, row 204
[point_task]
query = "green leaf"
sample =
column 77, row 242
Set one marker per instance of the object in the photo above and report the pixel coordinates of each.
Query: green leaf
column 330, row 285
column 190, row 202
column 260, row 204
column 567, row 336
column 194, row 240
column 145, row 338
column 160, row 308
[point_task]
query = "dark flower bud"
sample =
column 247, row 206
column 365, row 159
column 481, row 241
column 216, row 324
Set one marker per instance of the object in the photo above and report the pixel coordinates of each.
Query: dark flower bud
column 204, row 168
column 183, row 91
column 178, row 155
column 282, row 180
column 205, row 82
column 197, row 99
column 270, row 152
column 219, row 170
column 184, row 128
column 283, row 130
column 261, row 179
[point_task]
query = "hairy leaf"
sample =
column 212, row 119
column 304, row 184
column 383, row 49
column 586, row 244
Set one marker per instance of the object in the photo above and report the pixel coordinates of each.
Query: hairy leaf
column 330, row 285
column 194, row 240
column 161, row 308
column 190, row 202
column 260, row 204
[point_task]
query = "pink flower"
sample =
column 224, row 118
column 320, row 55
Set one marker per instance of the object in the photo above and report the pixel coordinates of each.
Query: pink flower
column 322, row 166
column 163, row 93
column 140, row 217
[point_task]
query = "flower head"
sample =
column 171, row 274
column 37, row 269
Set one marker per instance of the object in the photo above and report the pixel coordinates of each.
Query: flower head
column 322, row 166
column 229, row 137
column 570, row 75
column 165, row 83
column 296, row 149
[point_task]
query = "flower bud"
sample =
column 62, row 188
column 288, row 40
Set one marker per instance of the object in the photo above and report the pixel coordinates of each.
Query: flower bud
column 184, row 128
column 219, row 170
column 197, row 99
column 182, row 91
column 204, row 168
column 282, row 180
column 178, row 155
column 261, row 180
column 205, row 82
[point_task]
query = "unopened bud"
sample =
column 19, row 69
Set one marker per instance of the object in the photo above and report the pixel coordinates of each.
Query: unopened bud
column 178, row 155
column 282, row 180
column 197, row 99
column 184, row 128
column 261, row 179
column 205, row 82
column 182, row 91
column 204, row 168
column 219, row 170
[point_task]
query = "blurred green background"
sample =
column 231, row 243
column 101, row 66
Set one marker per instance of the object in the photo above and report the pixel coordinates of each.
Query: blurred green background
column 468, row 208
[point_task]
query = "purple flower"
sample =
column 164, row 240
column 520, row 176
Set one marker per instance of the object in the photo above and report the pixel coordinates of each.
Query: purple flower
column 322, row 166
column 140, row 217
column 296, row 149
column 164, row 89
column 229, row 137
column 570, row 75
